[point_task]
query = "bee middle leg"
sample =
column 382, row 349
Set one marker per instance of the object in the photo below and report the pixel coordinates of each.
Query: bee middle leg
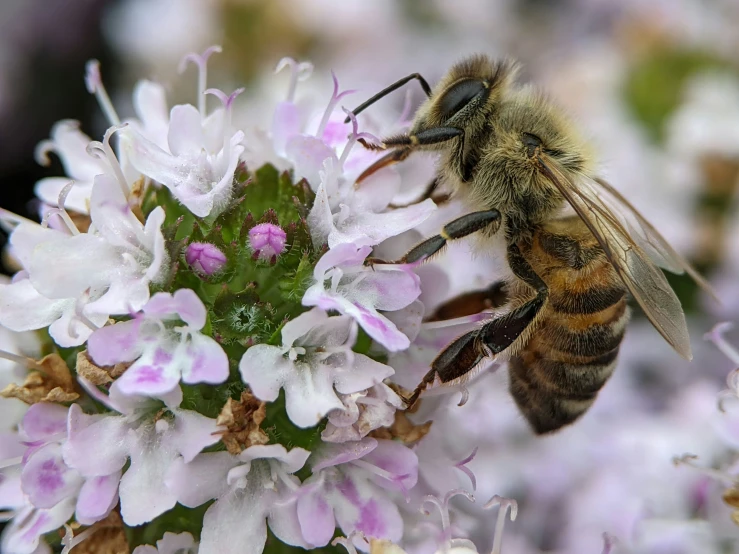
column 466, row 352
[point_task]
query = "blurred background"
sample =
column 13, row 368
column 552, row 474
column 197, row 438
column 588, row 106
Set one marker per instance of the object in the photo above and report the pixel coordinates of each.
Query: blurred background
column 653, row 83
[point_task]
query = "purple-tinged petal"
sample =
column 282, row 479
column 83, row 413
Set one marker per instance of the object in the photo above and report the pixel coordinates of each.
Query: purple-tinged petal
column 359, row 507
column 334, row 454
column 23, row 533
column 285, row 124
column 398, row 460
column 11, row 446
column 97, row 445
column 46, row 479
column 184, row 303
column 283, row 518
column 316, row 518
column 150, row 375
column 208, row 470
column 377, row 326
column 11, row 493
column 390, row 287
column 408, row 320
column 97, row 497
column 341, row 255
column 44, row 420
column 307, row 155
column 207, row 362
column 116, row 343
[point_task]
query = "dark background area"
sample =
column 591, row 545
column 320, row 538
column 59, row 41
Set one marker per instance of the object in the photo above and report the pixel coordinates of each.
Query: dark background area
column 49, row 43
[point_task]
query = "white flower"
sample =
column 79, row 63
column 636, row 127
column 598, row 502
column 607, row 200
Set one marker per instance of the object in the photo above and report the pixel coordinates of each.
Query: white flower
column 199, row 160
column 360, row 291
column 152, row 438
column 73, row 282
column 315, row 357
column 250, row 489
column 162, row 351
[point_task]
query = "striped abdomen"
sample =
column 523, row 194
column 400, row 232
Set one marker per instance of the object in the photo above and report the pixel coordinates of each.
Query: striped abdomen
column 557, row 372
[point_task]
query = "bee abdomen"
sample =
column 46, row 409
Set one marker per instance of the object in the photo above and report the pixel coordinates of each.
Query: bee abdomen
column 556, row 377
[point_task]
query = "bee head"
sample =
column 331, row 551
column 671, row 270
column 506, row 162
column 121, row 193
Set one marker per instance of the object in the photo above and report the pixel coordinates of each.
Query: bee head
column 466, row 96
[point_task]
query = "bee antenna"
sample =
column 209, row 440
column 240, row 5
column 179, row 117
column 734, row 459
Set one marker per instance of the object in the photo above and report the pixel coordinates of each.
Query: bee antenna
column 387, row 90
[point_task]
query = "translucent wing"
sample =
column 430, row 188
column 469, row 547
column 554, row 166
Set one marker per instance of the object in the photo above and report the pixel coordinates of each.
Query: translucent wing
column 644, row 233
column 639, row 273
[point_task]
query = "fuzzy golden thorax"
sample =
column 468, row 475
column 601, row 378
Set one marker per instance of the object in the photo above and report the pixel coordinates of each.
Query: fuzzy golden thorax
column 504, row 125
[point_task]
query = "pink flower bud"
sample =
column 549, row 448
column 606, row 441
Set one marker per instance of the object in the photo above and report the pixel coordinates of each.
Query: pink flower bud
column 204, row 258
column 267, row 240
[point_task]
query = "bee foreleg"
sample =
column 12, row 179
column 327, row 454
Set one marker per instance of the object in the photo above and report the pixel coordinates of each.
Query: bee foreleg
column 427, row 137
column 457, row 229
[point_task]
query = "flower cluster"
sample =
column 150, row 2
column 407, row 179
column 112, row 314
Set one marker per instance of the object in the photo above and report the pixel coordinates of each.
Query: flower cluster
column 217, row 341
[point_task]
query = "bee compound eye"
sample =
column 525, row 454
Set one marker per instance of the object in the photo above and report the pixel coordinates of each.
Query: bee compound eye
column 458, row 96
column 531, row 142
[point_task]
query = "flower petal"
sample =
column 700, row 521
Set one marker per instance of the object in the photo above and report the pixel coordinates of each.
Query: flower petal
column 23, row 308
column 208, row 470
column 116, row 343
column 309, row 394
column 97, row 497
column 307, row 154
column 43, row 420
column 236, row 523
column 316, row 517
column 46, row 479
column 144, row 494
column 185, row 135
column 207, row 362
column 23, row 533
column 191, row 433
column 264, row 369
column 97, row 445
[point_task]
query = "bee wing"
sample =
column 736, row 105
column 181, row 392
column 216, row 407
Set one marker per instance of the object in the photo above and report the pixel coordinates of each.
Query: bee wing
column 649, row 238
column 645, row 281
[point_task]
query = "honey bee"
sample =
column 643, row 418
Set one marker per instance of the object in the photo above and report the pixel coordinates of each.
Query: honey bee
column 574, row 244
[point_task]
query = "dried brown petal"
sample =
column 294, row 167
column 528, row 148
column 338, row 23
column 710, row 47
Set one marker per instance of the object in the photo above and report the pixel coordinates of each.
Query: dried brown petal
column 242, row 420
column 731, row 497
column 403, row 429
column 51, row 382
column 735, row 517
column 104, row 537
column 98, row 374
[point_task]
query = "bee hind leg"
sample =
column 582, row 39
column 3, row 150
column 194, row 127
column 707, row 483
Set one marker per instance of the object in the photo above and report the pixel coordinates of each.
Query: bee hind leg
column 465, row 353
